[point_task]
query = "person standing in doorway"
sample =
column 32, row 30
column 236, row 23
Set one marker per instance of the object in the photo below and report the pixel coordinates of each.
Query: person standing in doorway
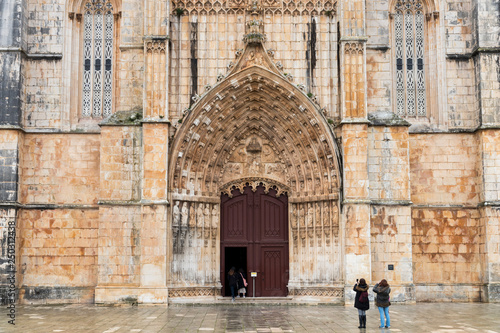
column 361, row 301
column 242, row 282
column 382, row 301
column 232, row 278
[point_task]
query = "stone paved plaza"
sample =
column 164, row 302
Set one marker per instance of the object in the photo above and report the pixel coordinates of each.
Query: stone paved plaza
column 423, row 317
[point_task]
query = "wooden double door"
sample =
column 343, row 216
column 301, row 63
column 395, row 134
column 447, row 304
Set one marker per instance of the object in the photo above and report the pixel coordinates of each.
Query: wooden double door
column 254, row 233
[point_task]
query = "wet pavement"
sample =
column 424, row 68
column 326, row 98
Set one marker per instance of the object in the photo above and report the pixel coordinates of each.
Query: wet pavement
column 422, row 317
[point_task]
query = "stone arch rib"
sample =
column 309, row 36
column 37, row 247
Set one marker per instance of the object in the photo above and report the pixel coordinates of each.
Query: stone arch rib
column 254, row 101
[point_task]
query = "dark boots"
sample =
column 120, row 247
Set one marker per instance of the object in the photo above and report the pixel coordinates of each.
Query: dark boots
column 362, row 321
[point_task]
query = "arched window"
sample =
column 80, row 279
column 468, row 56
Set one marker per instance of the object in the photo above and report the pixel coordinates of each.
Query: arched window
column 409, row 50
column 98, row 26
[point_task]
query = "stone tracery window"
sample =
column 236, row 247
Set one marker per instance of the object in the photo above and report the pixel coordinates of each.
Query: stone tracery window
column 409, row 48
column 98, row 25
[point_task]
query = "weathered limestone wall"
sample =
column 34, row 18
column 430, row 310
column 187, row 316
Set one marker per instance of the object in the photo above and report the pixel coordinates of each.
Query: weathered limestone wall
column 10, row 174
column 489, row 148
column 444, row 169
column 43, row 94
column 391, row 244
column 120, row 163
column 60, row 169
column 390, row 221
column 445, row 219
column 446, row 245
column 461, row 94
column 119, row 246
column 388, row 153
column 58, row 225
column 303, row 37
column 58, row 255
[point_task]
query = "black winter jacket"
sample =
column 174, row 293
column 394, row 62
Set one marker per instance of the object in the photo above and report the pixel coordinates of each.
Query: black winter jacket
column 357, row 304
column 232, row 279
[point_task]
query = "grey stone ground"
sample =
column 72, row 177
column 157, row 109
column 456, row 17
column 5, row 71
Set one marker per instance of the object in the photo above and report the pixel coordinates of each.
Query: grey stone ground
column 423, row 317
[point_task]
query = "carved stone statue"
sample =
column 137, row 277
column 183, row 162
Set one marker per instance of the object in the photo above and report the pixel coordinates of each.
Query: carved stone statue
column 310, row 216
column 199, row 216
column 326, row 214
column 294, row 217
column 184, row 216
column 192, row 218
column 206, row 214
column 318, row 214
column 301, row 217
column 215, row 216
column 176, row 214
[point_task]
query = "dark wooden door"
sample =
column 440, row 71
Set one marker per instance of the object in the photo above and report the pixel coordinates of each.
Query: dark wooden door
column 259, row 222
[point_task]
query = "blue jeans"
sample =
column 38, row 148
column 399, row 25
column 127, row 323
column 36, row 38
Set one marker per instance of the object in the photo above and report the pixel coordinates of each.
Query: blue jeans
column 384, row 311
column 233, row 291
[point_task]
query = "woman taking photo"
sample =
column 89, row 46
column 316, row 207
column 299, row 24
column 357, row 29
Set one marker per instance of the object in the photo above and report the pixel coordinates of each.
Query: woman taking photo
column 382, row 301
column 361, row 301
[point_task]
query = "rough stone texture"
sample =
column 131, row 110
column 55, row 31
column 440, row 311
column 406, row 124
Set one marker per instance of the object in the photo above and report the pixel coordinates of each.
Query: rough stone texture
column 9, row 165
column 458, row 20
column 444, row 169
column 490, row 251
column 355, row 141
column 489, row 148
column 447, row 251
column 119, row 163
column 155, row 161
column 7, row 218
column 388, row 153
column 488, row 28
column 10, row 88
column 462, row 109
column 391, row 244
column 60, row 169
column 45, row 26
column 119, row 245
column 43, row 93
column 490, row 89
column 58, row 248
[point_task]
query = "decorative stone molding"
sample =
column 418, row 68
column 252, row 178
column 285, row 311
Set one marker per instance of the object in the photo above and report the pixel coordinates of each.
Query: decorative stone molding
column 300, row 7
column 155, row 46
column 317, row 292
column 253, row 182
column 193, row 292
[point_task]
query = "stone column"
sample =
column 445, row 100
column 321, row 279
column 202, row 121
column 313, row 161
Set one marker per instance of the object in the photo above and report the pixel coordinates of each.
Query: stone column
column 487, row 62
column 489, row 209
column 354, row 129
column 391, row 227
column 119, row 237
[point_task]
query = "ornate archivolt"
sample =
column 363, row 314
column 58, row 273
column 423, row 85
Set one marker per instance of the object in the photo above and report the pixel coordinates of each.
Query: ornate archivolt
column 254, row 102
column 254, row 182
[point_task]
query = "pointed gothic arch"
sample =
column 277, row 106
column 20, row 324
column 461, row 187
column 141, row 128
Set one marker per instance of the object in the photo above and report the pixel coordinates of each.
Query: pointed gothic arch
column 256, row 127
column 258, row 102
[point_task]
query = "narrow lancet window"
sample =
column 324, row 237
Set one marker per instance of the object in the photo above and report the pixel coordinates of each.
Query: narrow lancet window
column 409, row 54
column 98, row 27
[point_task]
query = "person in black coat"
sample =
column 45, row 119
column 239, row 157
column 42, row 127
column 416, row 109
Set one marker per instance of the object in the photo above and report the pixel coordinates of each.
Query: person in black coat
column 232, row 278
column 361, row 301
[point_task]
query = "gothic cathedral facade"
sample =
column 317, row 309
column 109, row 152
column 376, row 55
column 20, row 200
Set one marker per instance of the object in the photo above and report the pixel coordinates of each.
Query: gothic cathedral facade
column 146, row 147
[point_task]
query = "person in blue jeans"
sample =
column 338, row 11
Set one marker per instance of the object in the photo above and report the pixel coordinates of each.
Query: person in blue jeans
column 383, row 290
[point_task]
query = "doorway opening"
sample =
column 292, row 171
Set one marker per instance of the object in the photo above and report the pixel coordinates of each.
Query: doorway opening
column 234, row 257
column 254, row 231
